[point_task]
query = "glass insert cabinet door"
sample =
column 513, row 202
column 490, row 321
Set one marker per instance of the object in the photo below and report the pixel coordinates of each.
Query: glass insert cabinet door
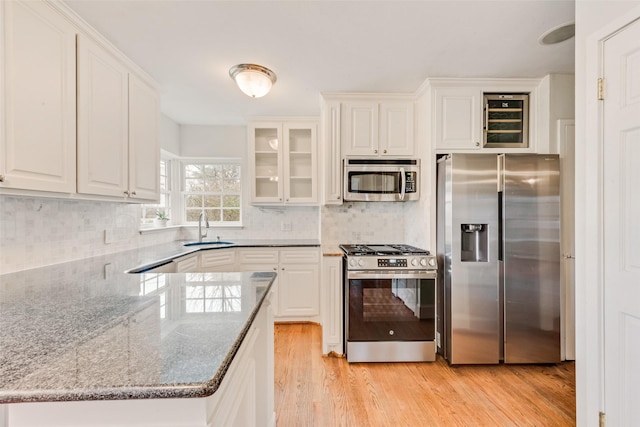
column 285, row 162
column 266, row 149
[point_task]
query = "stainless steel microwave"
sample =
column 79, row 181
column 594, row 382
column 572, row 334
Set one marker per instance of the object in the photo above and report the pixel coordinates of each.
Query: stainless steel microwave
column 381, row 180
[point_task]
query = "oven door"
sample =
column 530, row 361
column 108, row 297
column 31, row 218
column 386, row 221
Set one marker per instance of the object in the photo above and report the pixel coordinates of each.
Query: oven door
column 390, row 306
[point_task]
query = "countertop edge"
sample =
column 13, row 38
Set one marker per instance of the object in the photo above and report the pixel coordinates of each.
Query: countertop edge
column 187, row 390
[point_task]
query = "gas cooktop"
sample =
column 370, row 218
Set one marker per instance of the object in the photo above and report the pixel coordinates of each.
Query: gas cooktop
column 381, row 250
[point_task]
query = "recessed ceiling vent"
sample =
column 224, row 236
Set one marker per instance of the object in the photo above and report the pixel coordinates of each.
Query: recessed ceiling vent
column 558, row 34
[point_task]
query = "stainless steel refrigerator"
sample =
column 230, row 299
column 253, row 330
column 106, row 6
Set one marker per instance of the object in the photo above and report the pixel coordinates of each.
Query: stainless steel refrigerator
column 498, row 247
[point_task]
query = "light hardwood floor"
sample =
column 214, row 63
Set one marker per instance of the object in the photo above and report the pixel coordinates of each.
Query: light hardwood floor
column 316, row 390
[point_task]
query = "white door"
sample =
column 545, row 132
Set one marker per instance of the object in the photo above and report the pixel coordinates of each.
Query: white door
column 621, row 198
column 566, row 142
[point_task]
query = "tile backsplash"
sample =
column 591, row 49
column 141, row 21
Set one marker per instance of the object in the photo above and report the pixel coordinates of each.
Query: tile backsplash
column 363, row 222
column 36, row 232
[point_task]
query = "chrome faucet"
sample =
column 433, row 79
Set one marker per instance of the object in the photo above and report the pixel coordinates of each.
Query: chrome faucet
column 206, row 221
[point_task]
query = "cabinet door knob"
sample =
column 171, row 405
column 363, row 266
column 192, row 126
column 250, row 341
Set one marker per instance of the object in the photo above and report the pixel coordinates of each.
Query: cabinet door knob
column 338, row 198
column 375, row 151
column 133, row 193
column 385, row 151
column 126, row 193
column 1, row 178
column 477, row 144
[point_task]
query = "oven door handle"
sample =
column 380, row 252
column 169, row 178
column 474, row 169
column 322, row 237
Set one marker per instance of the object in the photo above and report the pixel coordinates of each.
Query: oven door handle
column 392, row 274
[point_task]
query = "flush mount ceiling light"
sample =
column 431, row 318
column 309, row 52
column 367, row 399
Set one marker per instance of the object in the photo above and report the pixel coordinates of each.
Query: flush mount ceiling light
column 254, row 80
column 558, row 34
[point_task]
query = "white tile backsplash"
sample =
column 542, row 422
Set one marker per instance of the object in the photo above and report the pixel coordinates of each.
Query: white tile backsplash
column 363, row 222
column 35, row 232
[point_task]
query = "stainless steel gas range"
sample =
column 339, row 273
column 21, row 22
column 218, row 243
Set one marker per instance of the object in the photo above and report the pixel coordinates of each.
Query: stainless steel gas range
column 389, row 311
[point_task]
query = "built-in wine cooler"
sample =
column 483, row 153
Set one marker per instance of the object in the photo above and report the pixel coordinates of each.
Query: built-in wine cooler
column 506, row 120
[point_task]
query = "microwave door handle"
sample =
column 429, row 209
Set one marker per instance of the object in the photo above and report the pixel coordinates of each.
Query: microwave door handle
column 403, row 186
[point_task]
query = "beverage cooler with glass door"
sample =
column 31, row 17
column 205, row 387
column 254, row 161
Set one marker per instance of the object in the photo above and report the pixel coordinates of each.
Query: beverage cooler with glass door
column 506, row 120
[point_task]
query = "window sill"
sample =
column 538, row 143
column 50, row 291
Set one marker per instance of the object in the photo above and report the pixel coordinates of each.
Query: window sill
column 152, row 229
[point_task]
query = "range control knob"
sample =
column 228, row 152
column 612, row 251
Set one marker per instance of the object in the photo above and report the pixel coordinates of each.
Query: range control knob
column 423, row 262
column 432, row 262
column 414, row 262
column 361, row 262
column 353, row 262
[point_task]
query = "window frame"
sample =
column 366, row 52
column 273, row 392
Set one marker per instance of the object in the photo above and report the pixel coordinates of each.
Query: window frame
column 183, row 193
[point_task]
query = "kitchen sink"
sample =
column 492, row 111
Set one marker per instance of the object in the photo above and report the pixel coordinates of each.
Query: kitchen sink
column 208, row 243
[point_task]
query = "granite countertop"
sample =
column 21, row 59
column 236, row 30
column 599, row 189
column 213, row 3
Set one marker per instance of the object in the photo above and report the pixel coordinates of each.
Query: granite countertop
column 86, row 330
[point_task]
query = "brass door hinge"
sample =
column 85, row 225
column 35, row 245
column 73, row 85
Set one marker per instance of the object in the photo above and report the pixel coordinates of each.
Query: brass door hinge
column 600, row 89
column 602, row 419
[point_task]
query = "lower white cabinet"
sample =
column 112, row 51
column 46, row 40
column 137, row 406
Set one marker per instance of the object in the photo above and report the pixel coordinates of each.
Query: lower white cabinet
column 217, row 260
column 299, row 284
column 187, row 264
column 297, row 287
column 331, row 303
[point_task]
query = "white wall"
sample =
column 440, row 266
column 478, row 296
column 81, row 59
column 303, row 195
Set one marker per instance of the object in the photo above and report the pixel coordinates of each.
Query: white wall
column 591, row 16
column 213, row 141
column 169, row 135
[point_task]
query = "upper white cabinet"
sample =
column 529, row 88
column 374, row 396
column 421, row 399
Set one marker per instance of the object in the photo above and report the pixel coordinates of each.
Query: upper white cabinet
column 458, row 112
column 118, row 119
column 38, row 144
column 458, row 117
column 284, row 164
column 79, row 117
column 377, row 128
column 331, row 156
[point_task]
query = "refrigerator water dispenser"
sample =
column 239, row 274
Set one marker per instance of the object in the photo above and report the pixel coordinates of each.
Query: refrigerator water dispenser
column 474, row 243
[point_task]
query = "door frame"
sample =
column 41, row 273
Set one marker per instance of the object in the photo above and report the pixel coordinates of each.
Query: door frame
column 589, row 228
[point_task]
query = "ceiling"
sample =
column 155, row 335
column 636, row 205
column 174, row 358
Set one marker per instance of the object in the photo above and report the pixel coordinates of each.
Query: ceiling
column 323, row 46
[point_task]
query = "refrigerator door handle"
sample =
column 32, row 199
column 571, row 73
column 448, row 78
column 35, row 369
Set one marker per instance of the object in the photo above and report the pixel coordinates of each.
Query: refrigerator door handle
column 500, row 179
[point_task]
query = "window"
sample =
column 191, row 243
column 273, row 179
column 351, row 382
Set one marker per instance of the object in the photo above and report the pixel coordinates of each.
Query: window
column 214, row 188
column 149, row 212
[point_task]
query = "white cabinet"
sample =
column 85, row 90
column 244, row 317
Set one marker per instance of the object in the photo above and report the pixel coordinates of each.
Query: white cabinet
column 331, row 303
column 457, row 118
column 457, row 112
column 377, row 128
column 298, row 284
column 217, row 260
column 284, row 165
column 38, row 143
column 261, row 259
column 331, row 156
column 187, row 264
column 297, row 287
column 118, row 119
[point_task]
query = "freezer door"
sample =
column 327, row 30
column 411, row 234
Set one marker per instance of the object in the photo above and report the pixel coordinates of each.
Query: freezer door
column 531, row 254
column 472, row 289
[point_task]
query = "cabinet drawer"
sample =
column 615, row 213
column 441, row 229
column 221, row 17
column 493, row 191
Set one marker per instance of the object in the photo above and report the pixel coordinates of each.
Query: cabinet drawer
column 187, row 264
column 300, row 256
column 217, row 258
column 259, row 256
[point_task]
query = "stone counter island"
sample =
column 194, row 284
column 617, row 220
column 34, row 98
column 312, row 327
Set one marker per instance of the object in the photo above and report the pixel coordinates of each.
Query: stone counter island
column 84, row 344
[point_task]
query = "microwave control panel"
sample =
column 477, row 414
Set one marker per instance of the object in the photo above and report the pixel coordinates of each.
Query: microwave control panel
column 410, row 182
